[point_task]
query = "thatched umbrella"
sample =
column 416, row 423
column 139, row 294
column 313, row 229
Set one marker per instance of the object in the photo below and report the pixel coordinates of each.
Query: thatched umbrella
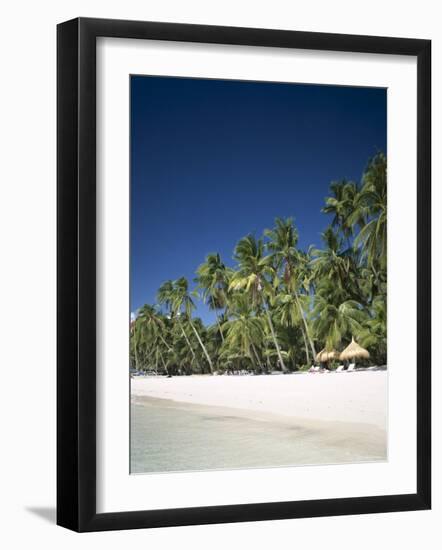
column 354, row 351
column 324, row 356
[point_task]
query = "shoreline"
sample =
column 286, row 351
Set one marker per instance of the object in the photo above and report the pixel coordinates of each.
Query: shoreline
column 352, row 398
column 172, row 436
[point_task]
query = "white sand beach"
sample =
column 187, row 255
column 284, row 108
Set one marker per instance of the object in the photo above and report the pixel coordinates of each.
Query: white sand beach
column 356, row 397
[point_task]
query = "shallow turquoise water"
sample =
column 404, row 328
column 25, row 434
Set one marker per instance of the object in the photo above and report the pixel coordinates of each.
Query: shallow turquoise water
column 170, row 436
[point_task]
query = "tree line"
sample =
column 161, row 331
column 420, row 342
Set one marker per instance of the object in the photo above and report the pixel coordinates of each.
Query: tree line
column 279, row 305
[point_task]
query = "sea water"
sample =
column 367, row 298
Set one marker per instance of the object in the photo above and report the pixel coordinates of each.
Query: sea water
column 168, row 436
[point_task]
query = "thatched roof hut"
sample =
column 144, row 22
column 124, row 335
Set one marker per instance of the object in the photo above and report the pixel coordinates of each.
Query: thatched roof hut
column 354, row 351
column 324, row 356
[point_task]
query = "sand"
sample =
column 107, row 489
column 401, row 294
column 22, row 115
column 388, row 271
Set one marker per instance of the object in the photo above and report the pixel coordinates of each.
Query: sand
column 356, row 397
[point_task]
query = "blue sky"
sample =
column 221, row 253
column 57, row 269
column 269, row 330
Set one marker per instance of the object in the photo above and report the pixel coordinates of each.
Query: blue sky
column 214, row 160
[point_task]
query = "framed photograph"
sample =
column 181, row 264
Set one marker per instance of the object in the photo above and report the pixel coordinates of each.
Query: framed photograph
column 243, row 285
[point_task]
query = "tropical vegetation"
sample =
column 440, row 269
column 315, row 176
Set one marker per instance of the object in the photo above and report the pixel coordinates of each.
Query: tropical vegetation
column 278, row 305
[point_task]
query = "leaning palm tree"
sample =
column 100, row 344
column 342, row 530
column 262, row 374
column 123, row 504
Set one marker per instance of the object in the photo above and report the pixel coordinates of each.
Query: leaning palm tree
column 254, row 269
column 182, row 303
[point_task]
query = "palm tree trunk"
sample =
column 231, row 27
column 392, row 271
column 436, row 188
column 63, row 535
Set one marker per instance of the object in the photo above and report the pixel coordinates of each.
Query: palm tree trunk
column 275, row 341
column 307, row 355
column 134, row 335
column 188, row 342
column 268, row 361
column 217, row 320
column 137, row 359
column 312, row 346
column 203, row 347
column 252, row 359
column 164, row 363
column 258, row 362
column 164, row 342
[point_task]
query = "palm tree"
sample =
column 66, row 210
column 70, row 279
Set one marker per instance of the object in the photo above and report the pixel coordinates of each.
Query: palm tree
column 283, row 240
column 185, row 357
column 373, row 197
column 182, row 303
column 374, row 332
column 335, row 321
column 166, row 296
column 334, row 263
column 345, row 208
column 245, row 330
column 212, row 279
column 253, row 268
column 289, row 315
column 153, row 323
column 137, row 340
column 290, row 336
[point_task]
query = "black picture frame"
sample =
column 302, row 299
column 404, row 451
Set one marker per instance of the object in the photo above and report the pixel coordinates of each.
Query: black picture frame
column 76, row 274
